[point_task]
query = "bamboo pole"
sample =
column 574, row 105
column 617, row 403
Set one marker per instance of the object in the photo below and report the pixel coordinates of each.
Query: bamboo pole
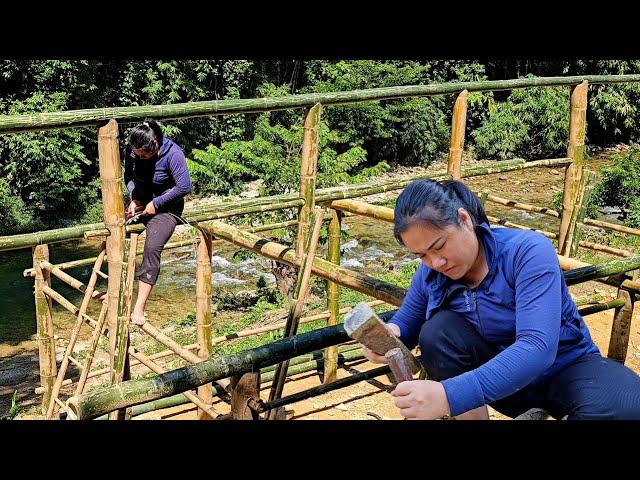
column 584, row 194
column 111, row 178
column 333, row 295
column 204, row 405
column 74, row 334
column 521, row 206
column 573, row 174
column 276, row 202
column 591, row 272
column 308, row 172
column 567, row 263
column 72, row 282
column 44, row 324
column 600, row 307
column 362, row 283
column 66, row 304
column 133, row 392
column 121, row 370
column 97, row 116
column 364, row 209
column 298, row 300
column 458, row 124
column 95, row 338
column 203, row 314
column 621, row 327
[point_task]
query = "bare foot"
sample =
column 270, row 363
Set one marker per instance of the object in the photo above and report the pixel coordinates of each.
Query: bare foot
column 138, row 319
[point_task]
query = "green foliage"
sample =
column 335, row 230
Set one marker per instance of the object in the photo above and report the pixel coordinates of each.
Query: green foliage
column 14, row 219
column 620, row 186
column 532, row 123
column 13, row 410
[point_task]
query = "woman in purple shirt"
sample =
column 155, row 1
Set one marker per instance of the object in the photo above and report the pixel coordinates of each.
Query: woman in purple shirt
column 494, row 319
column 157, row 178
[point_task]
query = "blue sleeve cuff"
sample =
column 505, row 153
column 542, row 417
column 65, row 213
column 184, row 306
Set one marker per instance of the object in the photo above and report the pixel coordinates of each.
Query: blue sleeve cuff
column 464, row 393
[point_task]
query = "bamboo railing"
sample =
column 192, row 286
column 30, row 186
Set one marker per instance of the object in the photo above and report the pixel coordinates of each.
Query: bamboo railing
column 341, row 201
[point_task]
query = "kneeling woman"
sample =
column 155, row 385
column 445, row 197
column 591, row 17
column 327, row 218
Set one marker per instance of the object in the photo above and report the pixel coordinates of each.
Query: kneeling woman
column 495, row 322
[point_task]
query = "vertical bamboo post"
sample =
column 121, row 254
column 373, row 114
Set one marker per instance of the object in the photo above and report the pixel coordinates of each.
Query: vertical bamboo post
column 44, row 327
column 95, row 338
column 573, row 173
column 333, row 295
column 458, row 124
column 120, row 371
column 308, row 171
column 203, row 313
column 619, row 339
column 75, row 332
column 584, row 195
column 113, row 205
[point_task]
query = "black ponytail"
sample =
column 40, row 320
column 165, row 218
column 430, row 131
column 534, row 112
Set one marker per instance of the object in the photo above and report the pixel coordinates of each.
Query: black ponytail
column 143, row 135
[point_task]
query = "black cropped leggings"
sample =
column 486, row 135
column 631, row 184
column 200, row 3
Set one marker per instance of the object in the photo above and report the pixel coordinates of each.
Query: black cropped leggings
column 160, row 227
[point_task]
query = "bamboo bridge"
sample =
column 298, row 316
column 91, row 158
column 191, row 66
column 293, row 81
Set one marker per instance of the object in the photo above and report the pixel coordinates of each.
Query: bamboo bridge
column 236, row 378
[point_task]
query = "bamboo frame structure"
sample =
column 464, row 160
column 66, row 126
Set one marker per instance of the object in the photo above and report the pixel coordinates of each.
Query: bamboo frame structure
column 74, row 333
column 298, row 300
column 116, row 309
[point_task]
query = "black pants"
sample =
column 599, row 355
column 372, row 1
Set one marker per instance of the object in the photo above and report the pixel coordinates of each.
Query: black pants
column 160, row 227
column 592, row 388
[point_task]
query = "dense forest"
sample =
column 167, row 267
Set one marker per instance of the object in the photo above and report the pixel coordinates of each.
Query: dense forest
column 50, row 179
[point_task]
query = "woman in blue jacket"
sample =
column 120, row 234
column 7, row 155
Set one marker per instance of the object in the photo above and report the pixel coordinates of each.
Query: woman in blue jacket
column 157, row 178
column 496, row 325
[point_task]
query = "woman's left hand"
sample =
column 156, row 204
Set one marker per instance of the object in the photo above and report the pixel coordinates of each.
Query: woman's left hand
column 149, row 209
column 421, row 400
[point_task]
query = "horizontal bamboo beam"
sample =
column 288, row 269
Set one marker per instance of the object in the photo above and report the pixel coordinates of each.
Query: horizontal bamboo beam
column 360, row 282
column 567, row 263
column 277, row 202
column 133, row 392
column 98, row 116
column 599, row 307
column 72, row 282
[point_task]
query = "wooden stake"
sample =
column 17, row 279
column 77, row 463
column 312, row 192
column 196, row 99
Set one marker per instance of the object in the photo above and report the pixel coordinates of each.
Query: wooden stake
column 308, row 172
column 458, row 124
column 573, row 174
column 619, row 339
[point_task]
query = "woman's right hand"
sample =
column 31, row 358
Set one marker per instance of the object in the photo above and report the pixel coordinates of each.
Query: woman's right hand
column 375, row 357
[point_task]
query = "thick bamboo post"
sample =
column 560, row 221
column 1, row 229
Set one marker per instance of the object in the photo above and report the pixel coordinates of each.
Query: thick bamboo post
column 573, row 174
column 308, row 171
column 203, row 313
column 44, row 326
column 619, row 339
column 333, row 295
column 121, row 369
column 297, row 301
column 458, row 124
column 113, row 204
column 74, row 333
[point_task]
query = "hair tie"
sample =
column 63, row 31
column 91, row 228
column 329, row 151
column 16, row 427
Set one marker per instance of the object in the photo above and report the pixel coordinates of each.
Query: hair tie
column 146, row 124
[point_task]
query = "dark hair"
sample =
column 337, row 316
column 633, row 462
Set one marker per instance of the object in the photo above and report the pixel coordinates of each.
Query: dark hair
column 435, row 203
column 143, row 135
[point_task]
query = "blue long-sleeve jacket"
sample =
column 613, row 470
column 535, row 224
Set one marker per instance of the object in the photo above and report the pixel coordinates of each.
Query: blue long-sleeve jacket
column 522, row 306
column 163, row 179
